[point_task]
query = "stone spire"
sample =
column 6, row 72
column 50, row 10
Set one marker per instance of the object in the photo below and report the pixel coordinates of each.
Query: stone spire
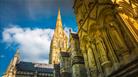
column 58, row 42
column 59, row 16
column 59, row 21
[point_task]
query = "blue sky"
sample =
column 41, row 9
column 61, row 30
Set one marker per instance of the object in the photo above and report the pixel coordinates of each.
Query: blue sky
column 29, row 25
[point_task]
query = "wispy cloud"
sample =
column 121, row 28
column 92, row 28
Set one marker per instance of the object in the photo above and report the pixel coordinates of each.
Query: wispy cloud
column 34, row 44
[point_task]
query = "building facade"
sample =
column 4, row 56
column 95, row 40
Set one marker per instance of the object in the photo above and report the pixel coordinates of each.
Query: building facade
column 107, row 31
column 58, row 42
column 19, row 68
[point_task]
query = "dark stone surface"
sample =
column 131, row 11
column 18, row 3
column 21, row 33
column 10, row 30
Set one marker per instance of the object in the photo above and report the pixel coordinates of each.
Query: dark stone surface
column 128, row 70
column 65, row 74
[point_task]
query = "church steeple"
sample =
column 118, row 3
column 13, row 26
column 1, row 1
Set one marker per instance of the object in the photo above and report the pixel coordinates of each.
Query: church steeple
column 59, row 21
column 59, row 16
column 58, row 42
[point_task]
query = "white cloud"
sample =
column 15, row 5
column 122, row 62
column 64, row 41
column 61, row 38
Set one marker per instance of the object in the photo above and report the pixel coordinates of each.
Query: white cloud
column 34, row 44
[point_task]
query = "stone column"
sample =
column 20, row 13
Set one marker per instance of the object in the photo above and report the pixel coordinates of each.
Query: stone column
column 101, row 48
column 113, row 58
column 91, row 61
column 84, row 52
column 78, row 66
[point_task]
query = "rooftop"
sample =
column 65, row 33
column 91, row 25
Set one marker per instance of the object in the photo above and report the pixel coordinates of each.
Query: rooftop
column 32, row 67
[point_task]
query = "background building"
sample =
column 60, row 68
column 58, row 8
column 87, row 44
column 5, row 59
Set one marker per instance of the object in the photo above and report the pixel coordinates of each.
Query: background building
column 67, row 57
column 19, row 68
column 58, row 42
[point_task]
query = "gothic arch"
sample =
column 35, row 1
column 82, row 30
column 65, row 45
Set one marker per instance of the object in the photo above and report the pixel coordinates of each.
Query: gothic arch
column 105, row 17
column 107, row 11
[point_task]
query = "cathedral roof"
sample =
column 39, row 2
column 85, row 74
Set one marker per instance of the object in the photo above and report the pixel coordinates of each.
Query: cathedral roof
column 33, row 67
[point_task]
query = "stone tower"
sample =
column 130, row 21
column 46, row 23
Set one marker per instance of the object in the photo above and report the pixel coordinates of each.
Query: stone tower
column 58, row 42
column 77, row 59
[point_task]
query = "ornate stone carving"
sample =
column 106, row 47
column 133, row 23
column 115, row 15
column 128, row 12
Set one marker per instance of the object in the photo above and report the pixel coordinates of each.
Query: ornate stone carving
column 77, row 60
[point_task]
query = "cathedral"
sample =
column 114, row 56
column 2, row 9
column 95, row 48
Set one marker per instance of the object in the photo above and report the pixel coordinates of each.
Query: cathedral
column 65, row 53
column 106, row 44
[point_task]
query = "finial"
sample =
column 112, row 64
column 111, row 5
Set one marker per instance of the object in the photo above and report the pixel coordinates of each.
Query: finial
column 70, row 30
column 59, row 16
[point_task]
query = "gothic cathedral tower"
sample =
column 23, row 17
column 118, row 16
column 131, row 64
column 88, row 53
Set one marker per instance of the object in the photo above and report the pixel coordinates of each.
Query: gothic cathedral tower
column 58, row 42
